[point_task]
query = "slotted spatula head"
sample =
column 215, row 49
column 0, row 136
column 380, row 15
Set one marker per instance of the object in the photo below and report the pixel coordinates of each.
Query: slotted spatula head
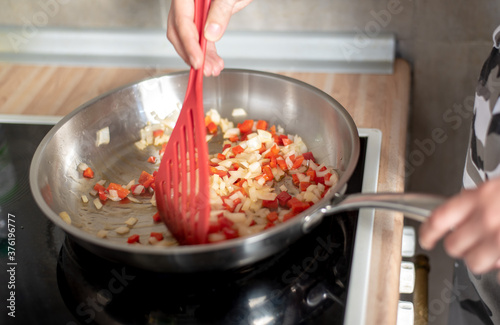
column 182, row 189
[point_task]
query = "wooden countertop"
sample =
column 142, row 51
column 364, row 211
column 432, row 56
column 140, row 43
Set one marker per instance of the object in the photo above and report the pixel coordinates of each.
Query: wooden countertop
column 374, row 101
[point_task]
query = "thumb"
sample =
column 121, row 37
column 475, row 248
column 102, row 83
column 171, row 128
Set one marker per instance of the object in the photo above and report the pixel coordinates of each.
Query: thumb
column 218, row 18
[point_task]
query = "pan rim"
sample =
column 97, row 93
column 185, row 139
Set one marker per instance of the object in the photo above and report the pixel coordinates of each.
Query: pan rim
column 191, row 249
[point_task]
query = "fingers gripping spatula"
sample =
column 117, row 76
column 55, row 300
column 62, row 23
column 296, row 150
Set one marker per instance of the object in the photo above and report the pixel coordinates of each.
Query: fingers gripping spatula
column 182, row 188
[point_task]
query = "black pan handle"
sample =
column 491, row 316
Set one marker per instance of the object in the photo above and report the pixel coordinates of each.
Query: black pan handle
column 416, row 206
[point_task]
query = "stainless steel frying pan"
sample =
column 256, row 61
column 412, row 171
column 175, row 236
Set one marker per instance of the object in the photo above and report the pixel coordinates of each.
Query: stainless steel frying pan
column 321, row 121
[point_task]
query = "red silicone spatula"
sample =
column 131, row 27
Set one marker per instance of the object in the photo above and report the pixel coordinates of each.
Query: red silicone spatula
column 182, row 189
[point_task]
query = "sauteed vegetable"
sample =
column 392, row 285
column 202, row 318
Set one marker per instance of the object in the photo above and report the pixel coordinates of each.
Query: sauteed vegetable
column 262, row 177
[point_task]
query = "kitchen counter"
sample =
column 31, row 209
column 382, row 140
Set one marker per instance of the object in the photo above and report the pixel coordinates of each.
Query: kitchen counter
column 374, row 101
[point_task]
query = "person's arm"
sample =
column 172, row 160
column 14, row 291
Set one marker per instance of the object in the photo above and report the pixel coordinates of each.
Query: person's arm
column 470, row 225
column 182, row 33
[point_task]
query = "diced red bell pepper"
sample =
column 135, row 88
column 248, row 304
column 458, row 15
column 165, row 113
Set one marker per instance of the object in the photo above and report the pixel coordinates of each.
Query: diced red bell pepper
column 133, row 239
column 157, row 133
column 282, row 163
column 152, row 159
column 261, row 125
column 213, row 227
column 208, row 120
column 308, row 156
column 320, row 180
column 221, row 156
column 312, row 174
column 295, row 179
column 102, row 196
column 88, row 173
column 122, row 192
column 270, row 204
column 236, row 202
column 283, row 198
column 237, row 149
column 268, row 173
column 272, row 129
column 262, row 148
column 99, row 188
column 289, row 216
column 240, row 182
column 215, row 171
column 273, row 163
column 269, row 225
column 157, row 217
column 246, row 126
column 157, row 235
column 273, row 152
column 292, row 201
column 162, row 150
column 231, row 208
column 272, row 216
column 227, row 145
column 124, row 201
column 297, row 206
column 224, row 222
column 101, row 191
column 304, row 186
column 230, row 233
column 212, row 128
column 146, row 179
column 277, row 140
column 260, row 176
column 233, row 167
column 298, row 162
column 234, row 138
column 285, row 140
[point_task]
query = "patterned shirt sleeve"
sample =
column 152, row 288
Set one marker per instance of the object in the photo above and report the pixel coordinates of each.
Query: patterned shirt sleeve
column 483, row 155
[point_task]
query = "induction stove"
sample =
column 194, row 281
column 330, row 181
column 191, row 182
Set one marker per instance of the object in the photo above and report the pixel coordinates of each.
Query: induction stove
column 49, row 279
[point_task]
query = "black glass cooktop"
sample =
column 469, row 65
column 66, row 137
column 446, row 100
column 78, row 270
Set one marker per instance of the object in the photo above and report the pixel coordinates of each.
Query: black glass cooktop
column 48, row 279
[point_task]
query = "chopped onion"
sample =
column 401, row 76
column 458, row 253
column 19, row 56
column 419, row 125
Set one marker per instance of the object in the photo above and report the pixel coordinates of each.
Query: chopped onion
column 131, row 221
column 97, row 203
column 133, row 199
column 122, row 230
column 231, row 132
column 82, row 167
column 239, row 112
column 65, row 217
column 138, row 190
column 250, row 175
column 214, row 116
column 102, row 233
column 102, row 136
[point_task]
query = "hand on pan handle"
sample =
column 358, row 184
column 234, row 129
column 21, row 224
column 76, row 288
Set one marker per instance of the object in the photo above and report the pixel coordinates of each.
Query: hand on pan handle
column 182, row 33
column 470, row 225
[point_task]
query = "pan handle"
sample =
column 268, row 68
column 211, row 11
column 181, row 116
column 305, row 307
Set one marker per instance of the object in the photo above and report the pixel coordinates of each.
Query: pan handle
column 414, row 205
